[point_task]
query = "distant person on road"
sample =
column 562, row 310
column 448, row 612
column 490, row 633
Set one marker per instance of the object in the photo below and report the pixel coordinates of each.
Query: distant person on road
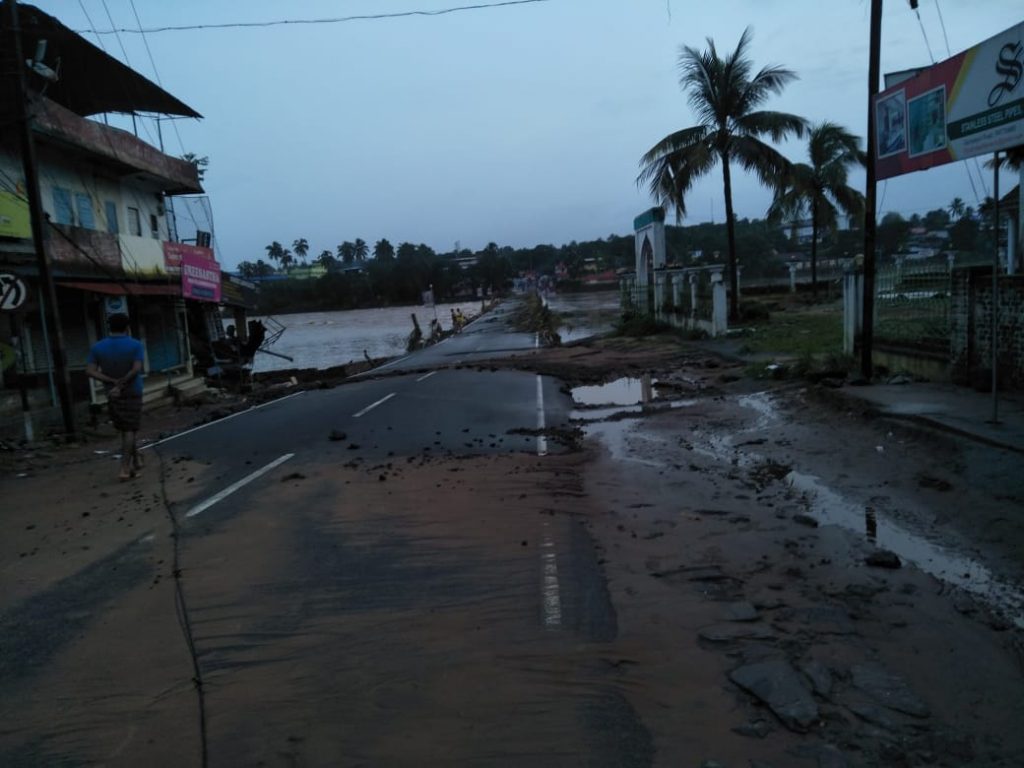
column 455, row 322
column 461, row 319
column 117, row 362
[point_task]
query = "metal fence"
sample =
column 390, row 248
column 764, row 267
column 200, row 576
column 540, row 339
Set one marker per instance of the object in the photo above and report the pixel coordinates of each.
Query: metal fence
column 912, row 305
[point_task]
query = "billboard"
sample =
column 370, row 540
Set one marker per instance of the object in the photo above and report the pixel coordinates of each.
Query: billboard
column 173, row 253
column 971, row 104
column 200, row 278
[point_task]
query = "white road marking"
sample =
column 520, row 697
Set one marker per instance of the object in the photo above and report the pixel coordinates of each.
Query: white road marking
column 425, row 377
column 551, row 592
column 542, row 441
column 205, row 505
column 221, row 421
column 371, row 406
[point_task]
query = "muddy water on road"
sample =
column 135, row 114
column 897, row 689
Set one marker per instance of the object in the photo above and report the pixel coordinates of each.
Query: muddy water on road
column 627, row 440
column 702, row 504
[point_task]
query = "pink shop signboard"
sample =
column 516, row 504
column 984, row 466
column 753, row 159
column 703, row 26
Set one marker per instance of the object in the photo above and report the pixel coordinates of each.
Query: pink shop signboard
column 200, row 278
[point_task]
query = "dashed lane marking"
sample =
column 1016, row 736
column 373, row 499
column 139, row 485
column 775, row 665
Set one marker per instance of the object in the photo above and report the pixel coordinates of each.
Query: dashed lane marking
column 371, row 406
column 426, row 376
column 205, row 505
column 551, row 592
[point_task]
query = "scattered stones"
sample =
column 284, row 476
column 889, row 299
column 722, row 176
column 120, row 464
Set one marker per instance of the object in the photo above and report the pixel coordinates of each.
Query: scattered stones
column 755, row 729
column 807, row 520
column 883, row 558
column 336, row 435
column 781, row 688
column 293, row 476
column 888, row 689
column 741, row 611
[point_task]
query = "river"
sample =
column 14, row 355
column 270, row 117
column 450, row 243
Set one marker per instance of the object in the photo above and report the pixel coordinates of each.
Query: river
column 326, row 339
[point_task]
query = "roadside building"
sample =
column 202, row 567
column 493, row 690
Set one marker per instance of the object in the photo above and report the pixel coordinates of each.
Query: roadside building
column 110, row 234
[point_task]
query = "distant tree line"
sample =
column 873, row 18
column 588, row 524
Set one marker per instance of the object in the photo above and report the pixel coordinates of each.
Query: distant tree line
column 357, row 276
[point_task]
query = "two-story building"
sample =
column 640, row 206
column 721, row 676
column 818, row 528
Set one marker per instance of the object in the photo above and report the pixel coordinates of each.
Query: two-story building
column 106, row 195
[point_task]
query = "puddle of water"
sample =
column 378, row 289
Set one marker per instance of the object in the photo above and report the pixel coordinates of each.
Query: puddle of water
column 622, row 440
column 601, row 414
column 832, row 509
column 624, row 391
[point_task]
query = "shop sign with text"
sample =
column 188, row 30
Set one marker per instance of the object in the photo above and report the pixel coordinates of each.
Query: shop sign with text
column 200, row 278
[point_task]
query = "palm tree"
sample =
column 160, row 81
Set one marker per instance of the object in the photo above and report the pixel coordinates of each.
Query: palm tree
column 725, row 93
column 956, row 208
column 820, row 189
column 361, row 249
column 1012, row 159
column 326, row 259
column 274, row 251
column 301, row 248
column 383, row 251
column 346, row 252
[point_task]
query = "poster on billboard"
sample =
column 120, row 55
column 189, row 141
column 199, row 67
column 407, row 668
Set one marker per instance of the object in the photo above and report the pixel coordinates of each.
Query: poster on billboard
column 971, row 104
column 200, row 278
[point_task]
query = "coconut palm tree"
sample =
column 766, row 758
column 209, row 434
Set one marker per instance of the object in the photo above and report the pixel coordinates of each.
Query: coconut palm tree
column 301, row 248
column 274, row 251
column 383, row 250
column 1012, row 159
column 956, row 208
column 819, row 189
column 286, row 258
column 361, row 249
column 726, row 93
column 326, row 259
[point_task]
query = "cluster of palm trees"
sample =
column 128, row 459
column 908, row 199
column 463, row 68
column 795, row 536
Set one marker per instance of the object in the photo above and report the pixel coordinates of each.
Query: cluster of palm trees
column 348, row 252
column 727, row 95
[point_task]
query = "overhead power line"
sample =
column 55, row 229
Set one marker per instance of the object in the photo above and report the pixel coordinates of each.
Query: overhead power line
column 334, row 20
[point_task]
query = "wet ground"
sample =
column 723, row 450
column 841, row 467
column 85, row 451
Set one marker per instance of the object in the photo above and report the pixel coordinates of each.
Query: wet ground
column 700, row 571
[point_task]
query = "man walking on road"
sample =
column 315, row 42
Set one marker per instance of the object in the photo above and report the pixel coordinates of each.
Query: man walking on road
column 117, row 362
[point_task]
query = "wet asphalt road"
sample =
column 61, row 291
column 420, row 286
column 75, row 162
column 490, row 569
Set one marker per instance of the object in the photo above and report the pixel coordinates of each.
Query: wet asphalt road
column 330, row 633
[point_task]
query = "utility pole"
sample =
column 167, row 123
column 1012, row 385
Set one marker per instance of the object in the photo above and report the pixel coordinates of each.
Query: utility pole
column 867, row 336
column 994, row 329
column 28, row 157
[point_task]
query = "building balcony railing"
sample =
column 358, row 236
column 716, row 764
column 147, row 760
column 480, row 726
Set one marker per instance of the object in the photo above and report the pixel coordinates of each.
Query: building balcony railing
column 117, row 149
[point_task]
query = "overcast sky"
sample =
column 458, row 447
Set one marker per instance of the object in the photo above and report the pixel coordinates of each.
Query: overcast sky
column 520, row 124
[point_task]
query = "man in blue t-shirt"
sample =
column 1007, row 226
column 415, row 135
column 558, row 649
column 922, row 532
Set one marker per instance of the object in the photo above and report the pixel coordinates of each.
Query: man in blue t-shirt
column 117, row 362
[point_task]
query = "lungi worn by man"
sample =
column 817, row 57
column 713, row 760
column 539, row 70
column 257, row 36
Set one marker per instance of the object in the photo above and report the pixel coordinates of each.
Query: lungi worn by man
column 117, row 362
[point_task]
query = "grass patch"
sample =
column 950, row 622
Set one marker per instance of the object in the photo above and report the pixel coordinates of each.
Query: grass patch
column 799, row 331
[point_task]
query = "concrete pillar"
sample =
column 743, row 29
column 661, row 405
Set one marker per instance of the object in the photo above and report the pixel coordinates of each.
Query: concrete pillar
column 693, row 295
column 659, row 293
column 719, row 306
column 792, row 278
column 677, row 291
column 853, row 308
